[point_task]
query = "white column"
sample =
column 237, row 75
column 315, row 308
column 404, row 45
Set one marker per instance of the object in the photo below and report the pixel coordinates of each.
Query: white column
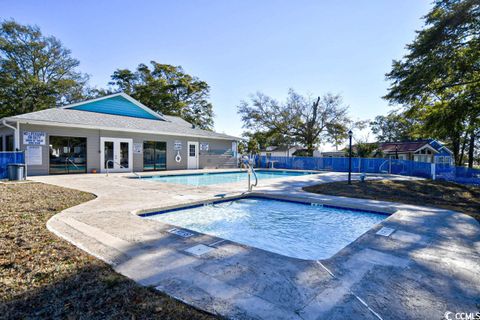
column 17, row 137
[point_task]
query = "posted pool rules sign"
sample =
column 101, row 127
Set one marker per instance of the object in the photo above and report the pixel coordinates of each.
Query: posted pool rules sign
column 34, row 138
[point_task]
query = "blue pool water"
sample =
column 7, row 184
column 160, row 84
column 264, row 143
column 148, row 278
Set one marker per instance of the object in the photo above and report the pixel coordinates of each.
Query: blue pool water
column 292, row 229
column 204, row 179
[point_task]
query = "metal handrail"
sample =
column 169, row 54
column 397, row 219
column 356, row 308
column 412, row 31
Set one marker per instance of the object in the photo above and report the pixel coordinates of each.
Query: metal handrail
column 250, row 171
column 113, row 162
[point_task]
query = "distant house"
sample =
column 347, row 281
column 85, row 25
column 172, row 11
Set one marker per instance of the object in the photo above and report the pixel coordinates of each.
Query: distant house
column 428, row 150
column 329, row 154
column 280, row 151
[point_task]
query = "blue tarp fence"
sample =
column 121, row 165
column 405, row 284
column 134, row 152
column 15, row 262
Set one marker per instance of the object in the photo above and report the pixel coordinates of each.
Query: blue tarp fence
column 374, row 165
column 7, row 158
column 457, row 174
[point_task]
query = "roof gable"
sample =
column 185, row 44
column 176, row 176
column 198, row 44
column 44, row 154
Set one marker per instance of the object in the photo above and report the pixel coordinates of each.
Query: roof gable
column 119, row 104
column 427, row 146
column 440, row 147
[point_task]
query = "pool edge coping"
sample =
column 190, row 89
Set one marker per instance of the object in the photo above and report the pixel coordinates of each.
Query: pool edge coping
column 278, row 197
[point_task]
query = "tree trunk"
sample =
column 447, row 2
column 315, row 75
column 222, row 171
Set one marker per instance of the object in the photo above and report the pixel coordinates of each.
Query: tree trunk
column 462, row 150
column 471, row 149
column 310, row 149
column 456, row 149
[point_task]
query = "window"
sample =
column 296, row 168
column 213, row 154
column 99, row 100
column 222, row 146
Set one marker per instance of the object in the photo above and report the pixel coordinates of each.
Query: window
column 422, row 158
column 192, row 150
column 68, row 155
column 1, row 143
column 154, row 155
column 399, row 156
column 9, row 146
column 443, row 159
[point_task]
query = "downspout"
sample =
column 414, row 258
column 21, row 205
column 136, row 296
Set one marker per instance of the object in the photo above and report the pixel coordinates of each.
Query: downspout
column 16, row 133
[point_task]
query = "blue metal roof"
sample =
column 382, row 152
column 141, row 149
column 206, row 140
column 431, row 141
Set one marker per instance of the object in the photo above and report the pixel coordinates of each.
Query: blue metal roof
column 116, row 105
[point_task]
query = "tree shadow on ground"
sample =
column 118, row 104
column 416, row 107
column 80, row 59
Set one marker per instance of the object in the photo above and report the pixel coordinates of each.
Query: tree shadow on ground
column 96, row 292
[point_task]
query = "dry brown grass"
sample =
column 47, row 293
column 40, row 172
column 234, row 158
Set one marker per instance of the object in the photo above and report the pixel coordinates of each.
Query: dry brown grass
column 439, row 194
column 42, row 276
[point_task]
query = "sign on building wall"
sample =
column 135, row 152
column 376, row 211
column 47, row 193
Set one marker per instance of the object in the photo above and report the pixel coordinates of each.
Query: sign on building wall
column 204, row 146
column 137, row 148
column 34, row 138
column 34, row 155
column 177, row 145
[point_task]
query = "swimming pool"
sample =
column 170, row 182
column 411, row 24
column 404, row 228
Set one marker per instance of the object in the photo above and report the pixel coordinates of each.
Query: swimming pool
column 292, row 229
column 205, row 179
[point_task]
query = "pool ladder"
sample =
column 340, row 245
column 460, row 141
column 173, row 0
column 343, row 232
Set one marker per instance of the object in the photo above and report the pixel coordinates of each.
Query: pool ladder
column 251, row 171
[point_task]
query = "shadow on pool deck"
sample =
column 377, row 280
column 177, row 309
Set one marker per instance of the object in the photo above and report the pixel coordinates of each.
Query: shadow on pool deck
column 428, row 266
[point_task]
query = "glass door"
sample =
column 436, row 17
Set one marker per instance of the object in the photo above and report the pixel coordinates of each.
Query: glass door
column 116, row 155
column 108, row 150
column 154, row 155
column 124, row 154
column 67, row 155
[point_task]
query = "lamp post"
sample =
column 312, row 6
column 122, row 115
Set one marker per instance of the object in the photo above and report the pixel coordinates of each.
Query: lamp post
column 350, row 133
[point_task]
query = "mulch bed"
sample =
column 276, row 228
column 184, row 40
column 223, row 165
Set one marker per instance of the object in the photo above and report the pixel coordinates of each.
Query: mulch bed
column 439, row 194
column 42, row 276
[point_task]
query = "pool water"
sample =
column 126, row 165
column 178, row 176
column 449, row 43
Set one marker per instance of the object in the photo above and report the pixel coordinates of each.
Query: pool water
column 204, row 179
column 292, row 229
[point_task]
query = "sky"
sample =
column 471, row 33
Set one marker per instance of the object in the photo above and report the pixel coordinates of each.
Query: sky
column 239, row 47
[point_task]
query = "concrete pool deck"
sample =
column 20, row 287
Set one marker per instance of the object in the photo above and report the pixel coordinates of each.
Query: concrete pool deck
column 428, row 266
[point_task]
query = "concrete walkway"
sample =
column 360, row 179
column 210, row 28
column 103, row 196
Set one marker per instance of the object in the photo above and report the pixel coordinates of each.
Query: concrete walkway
column 429, row 265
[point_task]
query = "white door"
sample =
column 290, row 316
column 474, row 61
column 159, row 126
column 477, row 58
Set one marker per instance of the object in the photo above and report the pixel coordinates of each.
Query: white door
column 116, row 155
column 192, row 162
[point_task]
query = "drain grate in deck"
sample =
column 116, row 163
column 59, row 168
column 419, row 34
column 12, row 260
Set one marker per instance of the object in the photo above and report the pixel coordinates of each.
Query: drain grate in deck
column 199, row 250
column 180, row 232
column 385, row 231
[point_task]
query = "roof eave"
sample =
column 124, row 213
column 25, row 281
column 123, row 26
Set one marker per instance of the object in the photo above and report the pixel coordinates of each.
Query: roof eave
column 75, row 125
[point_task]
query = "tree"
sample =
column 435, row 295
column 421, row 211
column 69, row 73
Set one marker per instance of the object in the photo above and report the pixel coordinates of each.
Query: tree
column 269, row 120
column 393, row 127
column 338, row 132
column 169, row 90
column 259, row 140
column 252, row 146
column 36, row 71
column 242, row 147
column 438, row 81
column 298, row 120
column 364, row 149
column 322, row 119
